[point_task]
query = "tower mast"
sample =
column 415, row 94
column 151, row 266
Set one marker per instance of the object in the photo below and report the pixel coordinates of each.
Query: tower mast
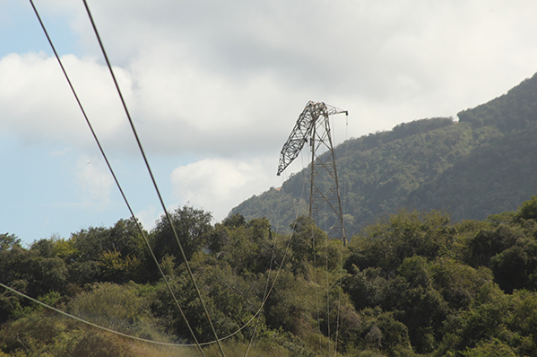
column 313, row 125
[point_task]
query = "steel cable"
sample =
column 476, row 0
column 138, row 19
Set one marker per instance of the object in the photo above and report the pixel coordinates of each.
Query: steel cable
column 187, row 265
column 101, row 149
column 136, row 221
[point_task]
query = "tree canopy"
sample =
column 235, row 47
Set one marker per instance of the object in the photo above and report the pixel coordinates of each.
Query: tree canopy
column 413, row 283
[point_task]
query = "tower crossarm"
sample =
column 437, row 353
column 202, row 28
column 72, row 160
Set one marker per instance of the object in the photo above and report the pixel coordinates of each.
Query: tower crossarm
column 313, row 124
column 297, row 139
column 302, row 131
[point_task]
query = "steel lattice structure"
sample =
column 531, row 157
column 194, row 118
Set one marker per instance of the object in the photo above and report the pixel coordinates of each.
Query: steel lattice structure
column 313, row 125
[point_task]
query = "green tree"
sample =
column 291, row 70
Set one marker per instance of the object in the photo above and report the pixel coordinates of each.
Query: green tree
column 8, row 241
column 490, row 241
column 307, row 241
column 528, row 209
column 403, row 235
column 458, row 283
column 119, row 307
column 123, row 237
column 31, row 273
column 193, row 228
column 247, row 246
column 515, row 268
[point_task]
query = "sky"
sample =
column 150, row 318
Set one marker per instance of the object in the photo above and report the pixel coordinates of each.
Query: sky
column 215, row 88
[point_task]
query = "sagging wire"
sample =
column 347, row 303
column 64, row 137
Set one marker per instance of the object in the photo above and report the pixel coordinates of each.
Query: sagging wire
column 139, row 228
column 136, row 221
column 343, row 247
column 101, row 149
column 187, row 265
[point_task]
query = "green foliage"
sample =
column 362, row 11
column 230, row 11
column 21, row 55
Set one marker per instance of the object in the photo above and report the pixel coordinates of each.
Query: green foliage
column 192, row 227
column 46, row 335
column 41, row 334
column 411, row 284
column 528, row 209
column 493, row 348
column 380, row 334
column 512, row 111
column 497, row 175
column 232, row 300
column 403, row 235
column 515, row 267
column 263, row 348
column 9, row 241
column 247, row 246
column 307, row 241
column 491, row 241
column 114, row 267
column 65, row 249
column 416, row 267
column 292, row 305
column 119, row 307
column 124, row 237
column 458, row 283
column 409, row 295
column 280, row 206
column 31, row 273
column 118, row 254
column 99, row 344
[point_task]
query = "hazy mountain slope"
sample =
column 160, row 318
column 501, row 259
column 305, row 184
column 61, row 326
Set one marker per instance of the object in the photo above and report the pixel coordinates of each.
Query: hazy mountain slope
column 377, row 173
column 513, row 111
column 484, row 164
column 500, row 173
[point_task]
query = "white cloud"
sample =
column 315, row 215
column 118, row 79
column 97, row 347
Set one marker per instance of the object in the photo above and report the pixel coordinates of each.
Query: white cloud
column 213, row 184
column 209, row 79
column 192, row 110
column 94, row 181
column 214, row 78
column 148, row 217
column 38, row 106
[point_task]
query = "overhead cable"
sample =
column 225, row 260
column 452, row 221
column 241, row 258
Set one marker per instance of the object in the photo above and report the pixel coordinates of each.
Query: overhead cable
column 113, row 173
column 191, row 275
column 132, row 213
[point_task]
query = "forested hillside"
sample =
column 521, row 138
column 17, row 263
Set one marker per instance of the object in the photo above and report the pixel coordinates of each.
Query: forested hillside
column 413, row 281
column 483, row 164
column 412, row 284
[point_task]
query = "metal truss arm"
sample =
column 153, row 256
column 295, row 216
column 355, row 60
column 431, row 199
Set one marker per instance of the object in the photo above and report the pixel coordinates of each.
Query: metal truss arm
column 297, row 139
column 302, row 131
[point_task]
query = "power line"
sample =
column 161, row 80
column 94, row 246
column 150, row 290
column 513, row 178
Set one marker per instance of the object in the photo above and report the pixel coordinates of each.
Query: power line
column 113, row 173
column 137, row 224
column 133, row 215
column 91, row 323
column 191, row 275
column 66, row 314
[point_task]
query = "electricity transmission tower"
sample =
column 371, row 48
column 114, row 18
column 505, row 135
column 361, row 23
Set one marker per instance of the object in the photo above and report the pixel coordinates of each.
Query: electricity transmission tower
column 313, row 125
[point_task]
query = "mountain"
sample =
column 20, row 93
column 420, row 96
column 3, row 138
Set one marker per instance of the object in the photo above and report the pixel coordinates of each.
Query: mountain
column 484, row 164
